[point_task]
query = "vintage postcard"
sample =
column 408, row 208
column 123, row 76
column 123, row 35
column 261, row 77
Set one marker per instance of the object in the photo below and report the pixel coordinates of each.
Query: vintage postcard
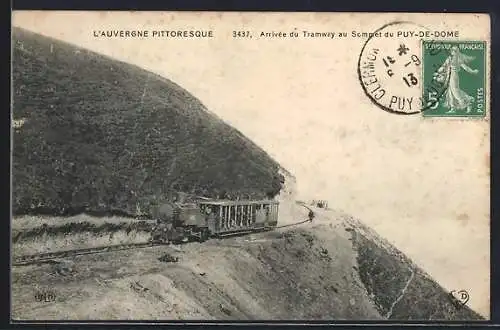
column 250, row 166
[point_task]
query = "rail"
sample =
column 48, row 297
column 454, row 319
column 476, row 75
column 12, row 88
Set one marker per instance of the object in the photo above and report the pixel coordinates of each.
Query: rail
column 44, row 257
column 296, row 223
column 48, row 256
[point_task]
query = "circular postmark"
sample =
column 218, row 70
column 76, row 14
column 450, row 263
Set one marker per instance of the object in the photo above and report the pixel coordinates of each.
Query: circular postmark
column 390, row 69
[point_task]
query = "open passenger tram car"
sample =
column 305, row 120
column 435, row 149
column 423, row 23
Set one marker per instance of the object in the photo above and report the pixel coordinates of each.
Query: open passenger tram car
column 213, row 218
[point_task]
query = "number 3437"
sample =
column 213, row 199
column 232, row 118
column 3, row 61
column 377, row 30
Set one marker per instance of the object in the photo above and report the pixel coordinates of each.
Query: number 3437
column 241, row 34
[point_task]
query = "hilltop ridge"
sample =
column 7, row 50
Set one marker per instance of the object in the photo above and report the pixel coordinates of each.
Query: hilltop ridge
column 95, row 134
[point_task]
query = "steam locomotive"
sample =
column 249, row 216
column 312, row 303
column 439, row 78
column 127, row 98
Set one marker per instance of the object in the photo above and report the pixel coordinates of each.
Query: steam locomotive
column 200, row 220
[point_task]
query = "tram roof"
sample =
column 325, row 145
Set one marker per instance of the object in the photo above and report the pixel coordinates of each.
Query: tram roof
column 240, row 202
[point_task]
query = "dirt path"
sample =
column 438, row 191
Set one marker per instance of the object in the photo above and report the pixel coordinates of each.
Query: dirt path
column 317, row 270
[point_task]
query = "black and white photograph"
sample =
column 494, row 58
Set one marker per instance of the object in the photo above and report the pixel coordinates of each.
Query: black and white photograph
column 250, row 166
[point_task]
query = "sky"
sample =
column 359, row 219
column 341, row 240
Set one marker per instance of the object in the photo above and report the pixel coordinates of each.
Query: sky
column 421, row 183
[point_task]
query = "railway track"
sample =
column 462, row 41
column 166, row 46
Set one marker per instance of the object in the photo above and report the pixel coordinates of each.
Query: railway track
column 49, row 256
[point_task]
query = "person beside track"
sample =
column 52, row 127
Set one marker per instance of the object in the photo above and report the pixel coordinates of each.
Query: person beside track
column 311, row 215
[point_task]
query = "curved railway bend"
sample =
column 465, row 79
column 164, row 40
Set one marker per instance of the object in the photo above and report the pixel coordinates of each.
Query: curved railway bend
column 48, row 256
column 69, row 253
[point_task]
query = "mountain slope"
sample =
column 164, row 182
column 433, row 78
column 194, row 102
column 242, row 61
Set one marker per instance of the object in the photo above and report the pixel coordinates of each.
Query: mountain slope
column 95, row 134
column 334, row 268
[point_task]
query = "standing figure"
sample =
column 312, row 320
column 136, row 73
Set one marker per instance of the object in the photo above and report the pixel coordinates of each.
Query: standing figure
column 448, row 73
column 211, row 221
column 311, row 215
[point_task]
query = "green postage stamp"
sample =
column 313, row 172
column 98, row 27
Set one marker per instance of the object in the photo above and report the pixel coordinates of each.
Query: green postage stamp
column 458, row 66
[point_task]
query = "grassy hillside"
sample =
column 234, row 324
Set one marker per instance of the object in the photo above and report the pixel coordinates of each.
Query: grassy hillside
column 95, row 134
column 400, row 289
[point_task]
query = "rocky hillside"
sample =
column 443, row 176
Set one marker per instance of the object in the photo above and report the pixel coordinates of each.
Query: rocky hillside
column 332, row 269
column 92, row 134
